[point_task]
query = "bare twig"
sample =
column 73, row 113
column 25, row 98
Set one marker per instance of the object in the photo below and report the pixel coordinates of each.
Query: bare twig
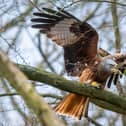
column 43, row 55
column 106, row 1
column 93, row 121
column 93, row 12
column 34, row 5
column 116, row 26
column 44, row 95
column 13, row 101
column 15, row 21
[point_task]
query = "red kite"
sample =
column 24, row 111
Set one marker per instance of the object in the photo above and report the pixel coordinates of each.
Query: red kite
column 79, row 41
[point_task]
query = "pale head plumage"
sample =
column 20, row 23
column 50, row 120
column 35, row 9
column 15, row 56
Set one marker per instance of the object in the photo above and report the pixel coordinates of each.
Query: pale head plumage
column 107, row 64
column 104, row 69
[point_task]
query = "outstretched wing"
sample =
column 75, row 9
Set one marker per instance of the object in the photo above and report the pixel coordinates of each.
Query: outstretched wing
column 78, row 39
column 56, row 24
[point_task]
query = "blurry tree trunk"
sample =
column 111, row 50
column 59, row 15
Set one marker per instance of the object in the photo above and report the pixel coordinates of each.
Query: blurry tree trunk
column 117, row 46
column 116, row 26
column 20, row 82
column 124, row 120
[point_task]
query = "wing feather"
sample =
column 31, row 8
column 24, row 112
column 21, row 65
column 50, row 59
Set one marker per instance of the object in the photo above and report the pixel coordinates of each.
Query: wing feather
column 56, row 25
column 79, row 39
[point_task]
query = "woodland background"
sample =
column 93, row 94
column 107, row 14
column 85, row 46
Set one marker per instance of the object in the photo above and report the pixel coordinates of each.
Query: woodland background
column 26, row 46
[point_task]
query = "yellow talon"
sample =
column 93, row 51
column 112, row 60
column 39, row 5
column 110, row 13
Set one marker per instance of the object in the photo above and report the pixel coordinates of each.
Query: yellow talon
column 95, row 84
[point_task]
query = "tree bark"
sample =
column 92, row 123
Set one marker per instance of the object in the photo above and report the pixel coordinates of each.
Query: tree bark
column 34, row 101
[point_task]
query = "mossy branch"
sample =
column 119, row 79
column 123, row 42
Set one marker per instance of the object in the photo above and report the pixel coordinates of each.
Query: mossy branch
column 100, row 97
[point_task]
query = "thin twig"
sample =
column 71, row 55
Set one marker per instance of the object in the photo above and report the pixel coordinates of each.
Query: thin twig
column 106, row 1
column 43, row 55
column 116, row 26
column 13, row 101
column 93, row 121
column 34, row 5
column 44, row 95
column 21, row 84
column 93, row 12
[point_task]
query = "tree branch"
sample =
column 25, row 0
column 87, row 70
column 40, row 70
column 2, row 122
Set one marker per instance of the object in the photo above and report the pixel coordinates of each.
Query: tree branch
column 116, row 26
column 99, row 97
column 107, row 1
column 15, row 21
column 20, row 82
column 44, row 95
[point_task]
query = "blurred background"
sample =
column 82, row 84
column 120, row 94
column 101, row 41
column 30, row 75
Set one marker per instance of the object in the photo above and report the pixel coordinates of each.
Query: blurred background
column 27, row 46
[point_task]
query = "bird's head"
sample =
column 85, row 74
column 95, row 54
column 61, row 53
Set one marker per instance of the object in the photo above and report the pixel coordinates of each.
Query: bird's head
column 107, row 65
column 104, row 69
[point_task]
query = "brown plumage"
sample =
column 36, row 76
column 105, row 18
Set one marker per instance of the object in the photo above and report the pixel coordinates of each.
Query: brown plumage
column 75, row 105
column 79, row 41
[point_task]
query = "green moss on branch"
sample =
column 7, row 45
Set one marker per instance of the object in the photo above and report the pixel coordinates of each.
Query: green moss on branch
column 100, row 97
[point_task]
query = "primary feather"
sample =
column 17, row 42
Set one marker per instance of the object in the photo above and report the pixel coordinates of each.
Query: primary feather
column 78, row 39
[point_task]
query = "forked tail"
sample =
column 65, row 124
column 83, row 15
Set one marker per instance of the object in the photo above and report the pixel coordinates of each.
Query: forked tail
column 73, row 105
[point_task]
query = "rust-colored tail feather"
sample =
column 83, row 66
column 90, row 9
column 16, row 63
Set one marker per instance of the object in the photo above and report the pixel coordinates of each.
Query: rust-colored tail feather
column 73, row 105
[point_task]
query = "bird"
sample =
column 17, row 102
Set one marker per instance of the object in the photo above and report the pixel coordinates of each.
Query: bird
column 79, row 41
